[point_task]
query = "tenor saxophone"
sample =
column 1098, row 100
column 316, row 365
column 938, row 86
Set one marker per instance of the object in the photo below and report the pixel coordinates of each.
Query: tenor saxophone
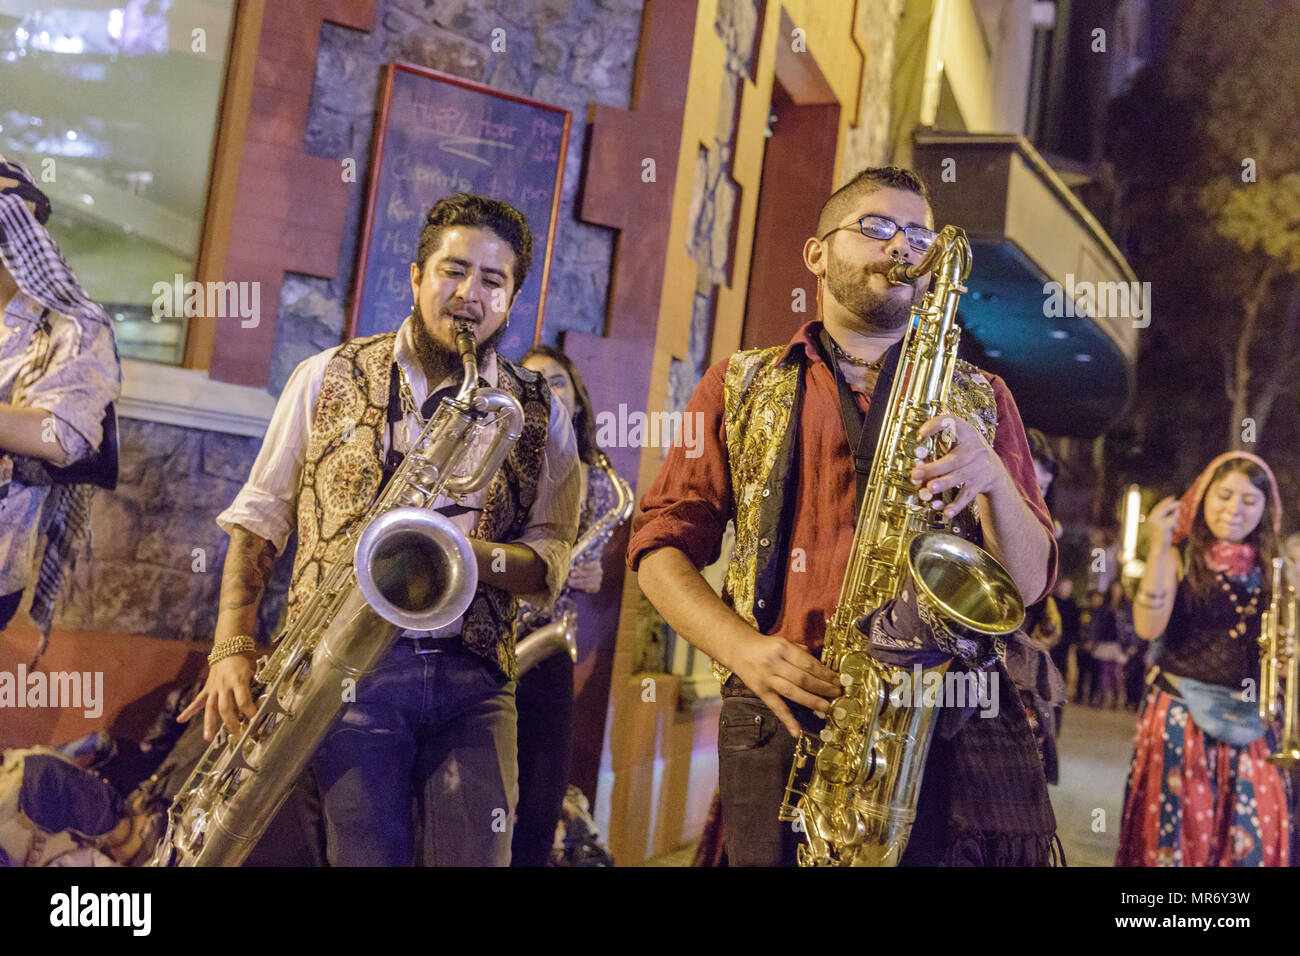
column 853, row 788
column 404, row 567
column 561, row 633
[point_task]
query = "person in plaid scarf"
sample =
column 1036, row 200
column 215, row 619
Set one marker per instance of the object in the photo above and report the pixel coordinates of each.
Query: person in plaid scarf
column 59, row 370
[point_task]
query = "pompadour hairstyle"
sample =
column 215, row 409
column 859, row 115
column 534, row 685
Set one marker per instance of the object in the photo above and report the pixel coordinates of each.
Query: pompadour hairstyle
column 467, row 209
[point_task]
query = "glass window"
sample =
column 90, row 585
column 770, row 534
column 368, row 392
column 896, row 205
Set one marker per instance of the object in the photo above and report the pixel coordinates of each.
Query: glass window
column 113, row 106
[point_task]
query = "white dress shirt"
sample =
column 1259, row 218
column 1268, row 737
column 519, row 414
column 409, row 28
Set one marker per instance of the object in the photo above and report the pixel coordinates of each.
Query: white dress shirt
column 267, row 504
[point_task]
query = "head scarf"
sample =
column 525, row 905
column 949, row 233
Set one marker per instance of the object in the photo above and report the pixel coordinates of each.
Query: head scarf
column 31, row 256
column 1191, row 500
column 1232, row 559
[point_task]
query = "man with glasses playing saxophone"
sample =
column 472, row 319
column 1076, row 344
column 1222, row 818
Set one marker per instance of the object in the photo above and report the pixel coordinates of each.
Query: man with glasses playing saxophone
column 434, row 723
column 777, row 462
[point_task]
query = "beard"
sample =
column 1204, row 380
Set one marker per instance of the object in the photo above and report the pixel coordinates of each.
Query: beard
column 439, row 361
column 879, row 312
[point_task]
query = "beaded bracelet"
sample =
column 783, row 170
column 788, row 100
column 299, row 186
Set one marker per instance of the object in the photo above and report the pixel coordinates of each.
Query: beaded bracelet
column 231, row 646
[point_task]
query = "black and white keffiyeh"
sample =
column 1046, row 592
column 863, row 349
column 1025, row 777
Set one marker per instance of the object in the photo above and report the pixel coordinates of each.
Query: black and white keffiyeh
column 31, row 256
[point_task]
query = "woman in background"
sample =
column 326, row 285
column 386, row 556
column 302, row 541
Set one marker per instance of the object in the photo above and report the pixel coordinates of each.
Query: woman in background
column 544, row 696
column 1200, row 791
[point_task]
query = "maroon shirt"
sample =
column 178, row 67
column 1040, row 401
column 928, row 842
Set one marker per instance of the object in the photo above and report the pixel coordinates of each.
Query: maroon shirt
column 690, row 503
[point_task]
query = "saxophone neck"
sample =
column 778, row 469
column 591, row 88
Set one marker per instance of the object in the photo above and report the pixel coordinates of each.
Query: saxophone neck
column 604, row 525
column 467, row 348
column 950, row 254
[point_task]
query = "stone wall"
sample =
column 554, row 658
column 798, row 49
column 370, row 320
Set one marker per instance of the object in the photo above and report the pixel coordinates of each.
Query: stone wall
column 867, row 142
column 569, row 53
column 156, row 551
column 144, row 575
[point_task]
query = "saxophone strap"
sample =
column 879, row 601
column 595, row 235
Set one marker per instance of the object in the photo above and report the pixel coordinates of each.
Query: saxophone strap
column 863, row 436
column 776, row 521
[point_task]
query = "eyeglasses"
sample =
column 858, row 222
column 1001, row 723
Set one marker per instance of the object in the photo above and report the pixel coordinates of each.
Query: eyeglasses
column 884, row 228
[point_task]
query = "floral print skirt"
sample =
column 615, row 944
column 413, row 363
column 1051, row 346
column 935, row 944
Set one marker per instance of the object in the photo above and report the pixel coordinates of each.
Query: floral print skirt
column 1192, row 800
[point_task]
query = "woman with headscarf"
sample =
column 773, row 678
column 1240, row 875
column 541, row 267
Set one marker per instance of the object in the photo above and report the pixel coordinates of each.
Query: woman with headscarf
column 1200, row 791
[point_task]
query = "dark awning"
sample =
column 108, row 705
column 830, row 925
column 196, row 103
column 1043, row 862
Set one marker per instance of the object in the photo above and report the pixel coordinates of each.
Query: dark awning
column 1068, row 352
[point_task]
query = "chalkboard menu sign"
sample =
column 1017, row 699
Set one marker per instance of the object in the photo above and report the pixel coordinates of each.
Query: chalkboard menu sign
column 437, row 135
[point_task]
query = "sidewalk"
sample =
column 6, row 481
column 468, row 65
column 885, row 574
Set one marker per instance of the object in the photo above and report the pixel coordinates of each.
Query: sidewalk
column 1095, row 749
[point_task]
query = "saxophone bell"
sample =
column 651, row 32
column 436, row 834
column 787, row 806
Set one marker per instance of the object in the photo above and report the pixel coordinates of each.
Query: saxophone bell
column 415, row 569
column 964, row 584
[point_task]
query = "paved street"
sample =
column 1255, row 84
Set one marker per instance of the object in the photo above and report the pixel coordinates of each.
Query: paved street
column 1095, row 749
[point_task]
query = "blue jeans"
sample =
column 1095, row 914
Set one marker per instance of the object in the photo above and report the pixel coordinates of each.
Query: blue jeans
column 429, row 732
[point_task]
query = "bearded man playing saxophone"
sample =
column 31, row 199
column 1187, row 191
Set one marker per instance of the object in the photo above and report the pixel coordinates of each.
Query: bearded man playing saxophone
column 983, row 798
column 434, row 723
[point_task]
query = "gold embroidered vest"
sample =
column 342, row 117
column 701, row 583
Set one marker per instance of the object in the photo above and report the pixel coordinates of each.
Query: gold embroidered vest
column 758, row 400
column 343, row 468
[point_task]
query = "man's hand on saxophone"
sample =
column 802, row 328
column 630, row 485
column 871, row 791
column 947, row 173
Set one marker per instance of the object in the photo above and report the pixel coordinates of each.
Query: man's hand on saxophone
column 1012, row 534
column 771, row 666
column 227, row 696
column 777, row 670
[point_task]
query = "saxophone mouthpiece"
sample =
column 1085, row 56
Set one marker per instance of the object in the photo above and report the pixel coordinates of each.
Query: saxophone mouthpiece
column 898, row 275
column 464, row 337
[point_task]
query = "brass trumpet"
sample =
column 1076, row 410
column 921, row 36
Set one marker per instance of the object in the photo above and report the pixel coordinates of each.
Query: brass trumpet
column 1277, row 638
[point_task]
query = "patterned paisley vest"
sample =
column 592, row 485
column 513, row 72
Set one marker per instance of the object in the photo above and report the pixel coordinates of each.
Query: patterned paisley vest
column 343, row 467
column 759, row 397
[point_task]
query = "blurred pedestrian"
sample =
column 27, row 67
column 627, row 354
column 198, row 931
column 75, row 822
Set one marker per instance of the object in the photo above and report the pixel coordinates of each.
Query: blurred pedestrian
column 1086, row 685
column 1108, row 651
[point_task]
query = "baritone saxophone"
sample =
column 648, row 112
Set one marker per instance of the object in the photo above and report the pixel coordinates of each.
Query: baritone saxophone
column 853, row 787
column 404, row 567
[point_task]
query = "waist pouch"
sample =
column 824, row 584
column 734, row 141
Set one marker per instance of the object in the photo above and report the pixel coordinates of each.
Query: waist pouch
column 1220, row 713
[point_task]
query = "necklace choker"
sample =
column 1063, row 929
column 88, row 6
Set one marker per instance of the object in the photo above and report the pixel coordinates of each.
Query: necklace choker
column 853, row 359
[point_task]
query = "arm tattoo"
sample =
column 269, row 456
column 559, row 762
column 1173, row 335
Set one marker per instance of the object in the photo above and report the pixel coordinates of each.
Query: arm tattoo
column 248, row 567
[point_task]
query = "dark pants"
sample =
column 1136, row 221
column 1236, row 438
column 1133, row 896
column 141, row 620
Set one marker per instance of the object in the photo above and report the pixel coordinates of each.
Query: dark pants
column 1086, row 685
column 436, row 731
column 296, row 834
column 1134, row 681
column 545, row 703
column 755, row 753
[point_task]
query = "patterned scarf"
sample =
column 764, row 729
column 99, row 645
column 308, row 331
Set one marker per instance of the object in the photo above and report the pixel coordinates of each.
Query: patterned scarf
column 984, row 799
column 1234, row 560
column 31, row 256
column 1191, row 500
